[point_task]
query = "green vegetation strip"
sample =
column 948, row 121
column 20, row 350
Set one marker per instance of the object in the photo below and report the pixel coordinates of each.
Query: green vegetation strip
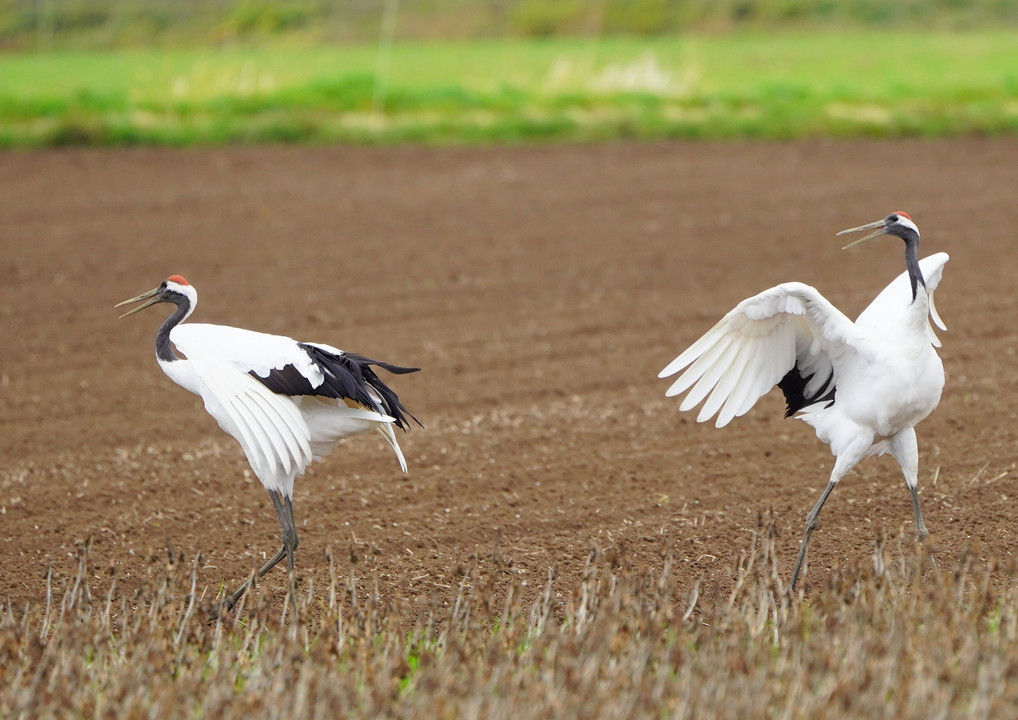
column 744, row 86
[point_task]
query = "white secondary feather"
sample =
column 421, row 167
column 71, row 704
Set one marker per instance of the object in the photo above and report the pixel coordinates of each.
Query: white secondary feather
column 330, row 422
column 269, row 427
column 753, row 346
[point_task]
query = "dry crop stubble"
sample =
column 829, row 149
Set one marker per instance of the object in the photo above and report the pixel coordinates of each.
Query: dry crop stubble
column 887, row 636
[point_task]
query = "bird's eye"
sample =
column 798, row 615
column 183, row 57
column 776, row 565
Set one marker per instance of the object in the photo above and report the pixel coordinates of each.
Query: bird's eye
column 892, row 219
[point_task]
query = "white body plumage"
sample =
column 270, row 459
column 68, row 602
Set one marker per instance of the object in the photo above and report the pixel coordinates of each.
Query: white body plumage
column 280, row 434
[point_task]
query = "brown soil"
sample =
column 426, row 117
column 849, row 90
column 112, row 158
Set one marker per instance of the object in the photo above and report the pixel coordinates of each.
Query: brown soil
column 540, row 289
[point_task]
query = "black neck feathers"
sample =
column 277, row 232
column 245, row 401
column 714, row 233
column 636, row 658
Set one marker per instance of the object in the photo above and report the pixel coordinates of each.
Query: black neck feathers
column 915, row 274
column 164, row 351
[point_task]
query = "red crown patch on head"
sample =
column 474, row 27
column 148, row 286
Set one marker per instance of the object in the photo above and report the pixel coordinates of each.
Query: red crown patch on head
column 179, row 279
column 903, row 214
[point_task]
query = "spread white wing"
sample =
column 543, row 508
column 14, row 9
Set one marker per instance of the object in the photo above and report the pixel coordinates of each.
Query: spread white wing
column 756, row 344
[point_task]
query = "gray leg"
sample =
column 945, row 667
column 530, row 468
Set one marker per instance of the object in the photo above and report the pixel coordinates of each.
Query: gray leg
column 920, row 526
column 905, row 450
column 284, row 511
column 811, row 525
column 847, row 460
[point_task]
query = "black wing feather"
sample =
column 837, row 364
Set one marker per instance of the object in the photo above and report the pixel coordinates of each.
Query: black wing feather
column 793, row 385
column 286, row 381
column 348, row 376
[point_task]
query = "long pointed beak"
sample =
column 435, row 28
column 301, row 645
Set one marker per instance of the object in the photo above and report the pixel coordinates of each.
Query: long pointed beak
column 152, row 296
column 869, row 226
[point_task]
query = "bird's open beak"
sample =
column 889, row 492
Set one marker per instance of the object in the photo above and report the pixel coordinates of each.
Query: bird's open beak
column 869, row 226
column 152, row 296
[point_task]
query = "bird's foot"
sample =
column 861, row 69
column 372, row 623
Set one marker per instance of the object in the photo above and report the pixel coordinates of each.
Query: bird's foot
column 922, row 536
column 223, row 607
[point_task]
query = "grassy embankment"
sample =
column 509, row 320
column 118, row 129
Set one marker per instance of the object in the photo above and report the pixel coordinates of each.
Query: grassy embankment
column 775, row 86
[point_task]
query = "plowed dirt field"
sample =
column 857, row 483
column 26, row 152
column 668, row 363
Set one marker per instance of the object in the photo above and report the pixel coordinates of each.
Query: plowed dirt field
column 540, row 289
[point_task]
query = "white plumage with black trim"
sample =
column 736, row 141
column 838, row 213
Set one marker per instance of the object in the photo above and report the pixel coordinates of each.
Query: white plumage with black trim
column 286, row 402
column 280, row 434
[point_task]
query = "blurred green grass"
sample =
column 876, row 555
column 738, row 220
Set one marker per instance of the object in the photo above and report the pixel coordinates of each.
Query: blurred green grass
column 820, row 83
